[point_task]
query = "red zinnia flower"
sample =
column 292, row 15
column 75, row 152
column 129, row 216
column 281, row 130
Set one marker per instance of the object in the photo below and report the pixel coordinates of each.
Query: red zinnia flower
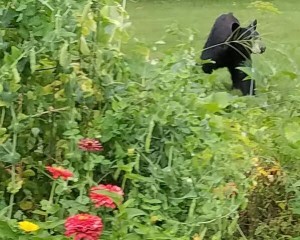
column 102, row 200
column 84, row 226
column 90, row 145
column 60, row 172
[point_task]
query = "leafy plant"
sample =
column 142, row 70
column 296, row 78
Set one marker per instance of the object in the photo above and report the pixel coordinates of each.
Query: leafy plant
column 181, row 146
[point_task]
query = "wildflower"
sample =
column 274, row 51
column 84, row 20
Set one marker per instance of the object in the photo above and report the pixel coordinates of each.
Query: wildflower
column 90, row 145
column 130, row 151
column 28, row 226
column 60, row 172
column 83, row 226
column 102, row 200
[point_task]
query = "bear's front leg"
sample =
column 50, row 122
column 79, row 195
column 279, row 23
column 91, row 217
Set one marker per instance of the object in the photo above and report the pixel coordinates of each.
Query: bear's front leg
column 247, row 87
column 208, row 68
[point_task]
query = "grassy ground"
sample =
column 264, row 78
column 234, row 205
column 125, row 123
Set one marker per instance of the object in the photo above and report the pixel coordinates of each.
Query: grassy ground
column 280, row 32
column 151, row 17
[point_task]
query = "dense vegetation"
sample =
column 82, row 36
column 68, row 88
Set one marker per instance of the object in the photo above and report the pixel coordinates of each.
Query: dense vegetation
column 194, row 160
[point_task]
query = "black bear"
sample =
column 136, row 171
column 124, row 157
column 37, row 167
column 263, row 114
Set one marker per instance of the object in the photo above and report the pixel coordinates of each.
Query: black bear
column 230, row 45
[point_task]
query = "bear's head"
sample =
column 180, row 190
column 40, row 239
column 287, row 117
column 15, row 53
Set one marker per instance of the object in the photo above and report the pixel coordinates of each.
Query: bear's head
column 247, row 38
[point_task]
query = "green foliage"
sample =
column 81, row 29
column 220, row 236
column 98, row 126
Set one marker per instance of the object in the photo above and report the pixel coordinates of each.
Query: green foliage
column 181, row 146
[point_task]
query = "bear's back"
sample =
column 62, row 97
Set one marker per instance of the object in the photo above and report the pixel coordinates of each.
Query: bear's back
column 220, row 32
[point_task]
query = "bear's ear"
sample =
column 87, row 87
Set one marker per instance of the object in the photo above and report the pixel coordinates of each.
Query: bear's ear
column 253, row 25
column 234, row 27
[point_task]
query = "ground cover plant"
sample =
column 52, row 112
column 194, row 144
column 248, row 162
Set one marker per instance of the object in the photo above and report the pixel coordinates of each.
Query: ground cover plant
column 105, row 136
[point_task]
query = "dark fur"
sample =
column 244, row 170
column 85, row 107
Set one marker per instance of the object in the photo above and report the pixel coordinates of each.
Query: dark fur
column 231, row 55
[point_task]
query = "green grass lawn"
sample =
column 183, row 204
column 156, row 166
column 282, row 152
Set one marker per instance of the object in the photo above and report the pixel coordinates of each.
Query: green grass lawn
column 150, row 19
column 280, row 32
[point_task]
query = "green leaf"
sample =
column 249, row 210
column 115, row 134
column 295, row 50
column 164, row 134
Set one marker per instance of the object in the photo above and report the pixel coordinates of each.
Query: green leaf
column 84, row 49
column 134, row 212
column 13, row 57
column 152, row 201
column 12, row 158
column 2, row 131
column 138, row 177
column 233, row 226
column 35, row 131
column 71, row 132
column 39, row 212
column 51, row 224
column 217, row 236
column 117, row 198
column 32, row 60
column 29, row 173
column 223, row 99
column 151, row 207
column 64, row 60
column 191, row 194
column 14, row 187
column 132, row 236
column 6, row 231
column 202, row 235
column 49, row 207
column 149, row 135
column 292, row 132
column 16, row 74
column 127, row 167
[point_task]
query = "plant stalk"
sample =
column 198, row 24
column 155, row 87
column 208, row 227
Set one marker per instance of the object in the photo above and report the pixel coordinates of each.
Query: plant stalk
column 13, row 168
column 52, row 192
column 124, row 3
column 2, row 117
column 12, row 196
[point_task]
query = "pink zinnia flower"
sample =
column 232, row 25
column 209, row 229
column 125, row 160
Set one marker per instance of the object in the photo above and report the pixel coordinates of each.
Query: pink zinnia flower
column 90, row 145
column 84, row 226
column 57, row 172
column 102, row 200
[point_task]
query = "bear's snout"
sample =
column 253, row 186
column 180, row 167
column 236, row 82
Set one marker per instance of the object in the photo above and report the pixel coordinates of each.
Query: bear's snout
column 263, row 49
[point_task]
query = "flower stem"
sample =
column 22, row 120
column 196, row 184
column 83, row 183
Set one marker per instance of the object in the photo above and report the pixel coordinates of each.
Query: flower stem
column 52, row 192
column 50, row 201
column 12, row 196
column 81, row 192
column 124, row 2
column 123, row 183
column 89, row 177
column 2, row 117
column 13, row 152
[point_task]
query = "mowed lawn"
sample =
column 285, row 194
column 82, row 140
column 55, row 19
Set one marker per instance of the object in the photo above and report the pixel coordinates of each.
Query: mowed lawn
column 280, row 31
